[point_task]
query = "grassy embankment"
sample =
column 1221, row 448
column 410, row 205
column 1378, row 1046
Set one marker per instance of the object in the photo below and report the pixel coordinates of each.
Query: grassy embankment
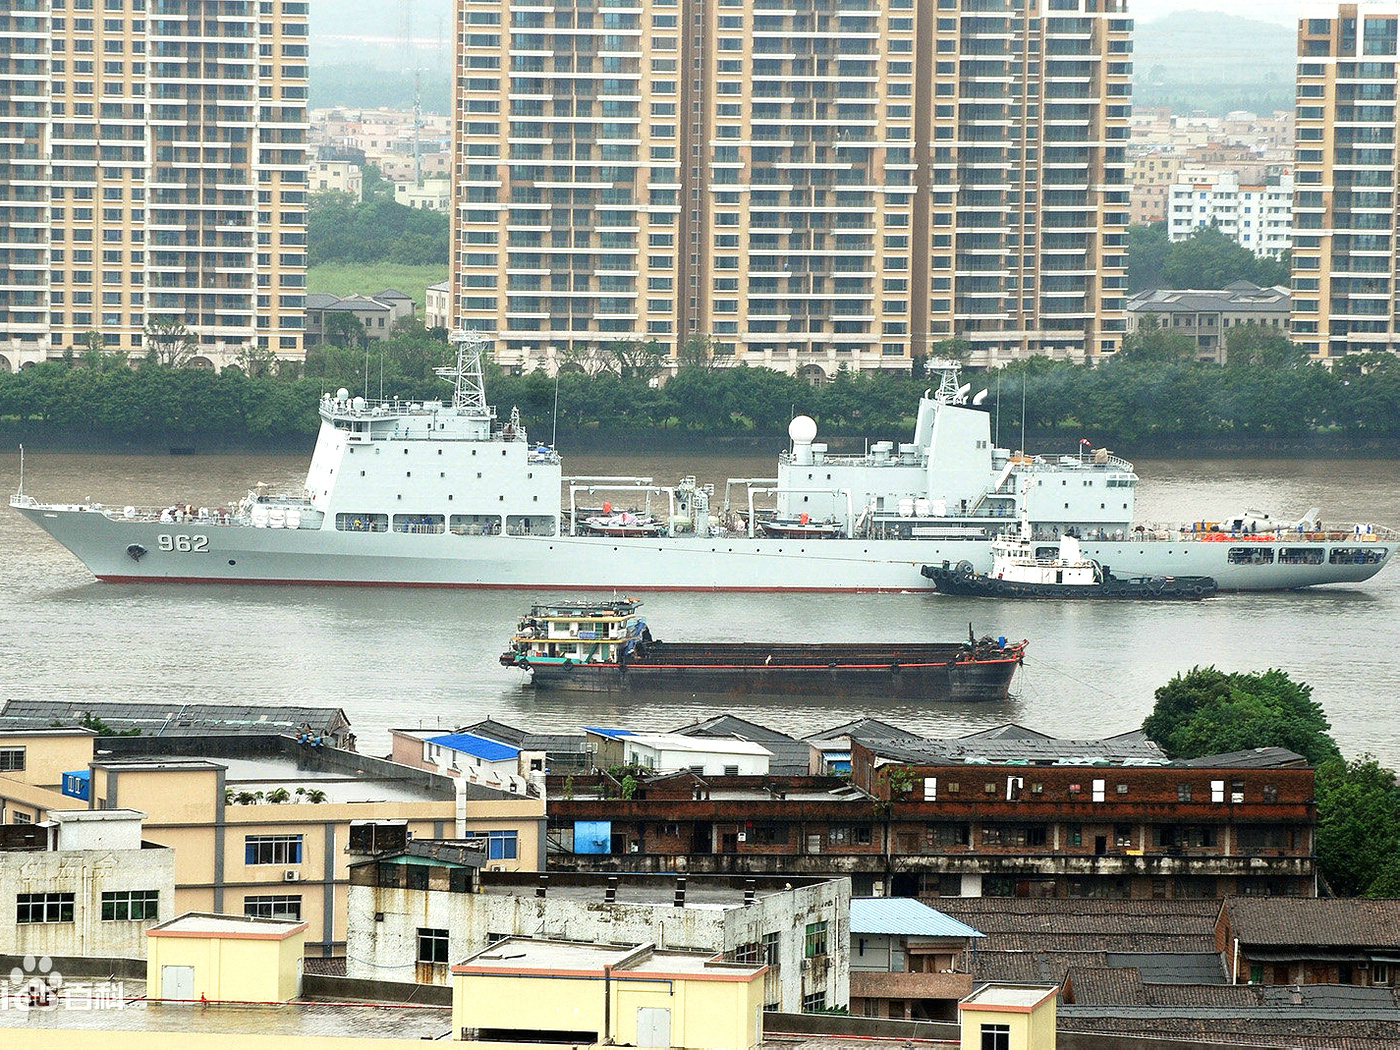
column 368, row 278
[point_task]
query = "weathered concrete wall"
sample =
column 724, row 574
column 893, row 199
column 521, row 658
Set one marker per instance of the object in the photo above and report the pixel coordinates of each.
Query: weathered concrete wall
column 383, row 924
column 86, row 874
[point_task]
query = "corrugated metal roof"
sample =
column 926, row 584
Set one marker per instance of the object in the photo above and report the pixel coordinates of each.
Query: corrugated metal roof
column 471, row 744
column 903, row 916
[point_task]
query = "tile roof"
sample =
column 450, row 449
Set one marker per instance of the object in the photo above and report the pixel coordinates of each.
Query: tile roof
column 1104, row 984
column 1305, row 922
column 1082, row 925
column 1172, row 967
column 903, row 916
column 175, row 719
column 863, row 728
column 1029, row 965
column 1255, row 758
column 1013, row 743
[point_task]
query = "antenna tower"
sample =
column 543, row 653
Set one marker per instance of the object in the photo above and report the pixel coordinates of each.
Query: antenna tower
column 468, row 382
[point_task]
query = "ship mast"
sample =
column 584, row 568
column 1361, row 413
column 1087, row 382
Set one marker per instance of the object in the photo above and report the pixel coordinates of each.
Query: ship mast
column 949, row 392
column 468, row 382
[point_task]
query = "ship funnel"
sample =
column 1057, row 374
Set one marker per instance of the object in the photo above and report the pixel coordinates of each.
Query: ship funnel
column 981, row 396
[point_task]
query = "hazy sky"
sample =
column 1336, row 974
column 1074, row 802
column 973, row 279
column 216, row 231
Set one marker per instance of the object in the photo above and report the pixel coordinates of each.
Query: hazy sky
column 1283, row 11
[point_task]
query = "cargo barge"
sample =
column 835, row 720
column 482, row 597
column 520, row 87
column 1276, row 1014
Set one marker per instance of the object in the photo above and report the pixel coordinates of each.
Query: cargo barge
column 605, row 647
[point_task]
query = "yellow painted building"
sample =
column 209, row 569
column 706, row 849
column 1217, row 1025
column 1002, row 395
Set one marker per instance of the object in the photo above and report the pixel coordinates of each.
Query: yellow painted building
column 1009, row 1017
column 41, row 757
column 225, row 958
column 270, row 830
column 632, row 995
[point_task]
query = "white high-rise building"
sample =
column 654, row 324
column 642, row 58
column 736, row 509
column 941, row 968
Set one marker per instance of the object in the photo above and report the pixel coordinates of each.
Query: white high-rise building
column 1257, row 216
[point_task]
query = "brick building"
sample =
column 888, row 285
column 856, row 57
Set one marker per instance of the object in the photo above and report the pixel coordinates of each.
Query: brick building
column 1339, row 941
column 1004, row 813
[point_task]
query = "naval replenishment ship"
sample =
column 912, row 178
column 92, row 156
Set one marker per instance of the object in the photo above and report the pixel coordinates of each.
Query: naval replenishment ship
column 442, row 494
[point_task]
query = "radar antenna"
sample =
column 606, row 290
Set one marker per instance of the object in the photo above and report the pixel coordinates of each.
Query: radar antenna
column 949, row 392
column 468, row 383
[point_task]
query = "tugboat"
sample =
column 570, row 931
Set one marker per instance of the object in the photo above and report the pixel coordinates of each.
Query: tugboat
column 1021, row 570
column 605, row 647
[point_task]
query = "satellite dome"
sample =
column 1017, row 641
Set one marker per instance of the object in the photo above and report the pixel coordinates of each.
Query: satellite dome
column 342, row 394
column 802, row 430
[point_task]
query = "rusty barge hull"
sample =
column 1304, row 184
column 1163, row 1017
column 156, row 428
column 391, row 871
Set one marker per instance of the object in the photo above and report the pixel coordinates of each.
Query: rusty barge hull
column 930, row 671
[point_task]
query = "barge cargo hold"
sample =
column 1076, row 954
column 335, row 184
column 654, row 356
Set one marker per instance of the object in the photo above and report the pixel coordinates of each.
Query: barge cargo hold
column 604, row 647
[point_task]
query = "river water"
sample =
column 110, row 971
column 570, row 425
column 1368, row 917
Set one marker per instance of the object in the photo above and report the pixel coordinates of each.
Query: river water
column 429, row 658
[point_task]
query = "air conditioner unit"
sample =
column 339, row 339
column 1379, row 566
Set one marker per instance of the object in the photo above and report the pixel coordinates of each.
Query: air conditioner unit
column 496, row 867
column 291, row 875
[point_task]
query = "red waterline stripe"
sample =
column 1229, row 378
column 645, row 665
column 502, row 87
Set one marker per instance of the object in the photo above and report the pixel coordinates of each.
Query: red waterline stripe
column 640, row 588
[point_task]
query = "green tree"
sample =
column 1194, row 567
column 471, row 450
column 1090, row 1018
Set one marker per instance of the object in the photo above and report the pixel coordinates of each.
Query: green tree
column 376, row 186
column 343, row 329
column 1152, row 342
column 1148, row 247
column 168, row 342
column 1261, row 346
column 697, row 350
column 1208, row 712
column 1358, row 827
column 1208, row 259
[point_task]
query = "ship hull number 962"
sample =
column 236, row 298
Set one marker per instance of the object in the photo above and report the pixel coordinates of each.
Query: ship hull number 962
column 185, row 544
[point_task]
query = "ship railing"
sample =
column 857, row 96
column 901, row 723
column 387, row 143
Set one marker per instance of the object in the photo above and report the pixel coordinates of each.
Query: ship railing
column 168, row 514
column 1341, row 532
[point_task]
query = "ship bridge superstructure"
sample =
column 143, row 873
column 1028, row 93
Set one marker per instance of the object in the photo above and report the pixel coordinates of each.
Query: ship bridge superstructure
column 952, row 480
column 433, row 466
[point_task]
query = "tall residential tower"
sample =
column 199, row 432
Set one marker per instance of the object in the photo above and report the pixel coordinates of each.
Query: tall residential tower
column 1345, row 251
column 153, row 166
column 813, row 183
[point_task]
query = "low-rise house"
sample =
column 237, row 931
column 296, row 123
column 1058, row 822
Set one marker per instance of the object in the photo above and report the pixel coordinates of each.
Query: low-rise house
column 82, row 884
column 413, row 911
column 1207, row 316
column 1310, row 941
column 437, row 307
column 268, row 826
column 338, row 176
column 479, row 759
column 430, row 195
column 790, row 756
column 907, row 960
column 376, row 313
column 671, row 752
column 607, row 994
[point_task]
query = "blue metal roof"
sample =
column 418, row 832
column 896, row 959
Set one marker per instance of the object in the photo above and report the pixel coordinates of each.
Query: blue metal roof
column 614, row 733
column 903, row 916
column 471, row 744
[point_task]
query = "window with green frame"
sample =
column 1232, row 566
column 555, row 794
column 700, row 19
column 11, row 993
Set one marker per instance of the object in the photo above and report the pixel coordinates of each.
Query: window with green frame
column 816, row 940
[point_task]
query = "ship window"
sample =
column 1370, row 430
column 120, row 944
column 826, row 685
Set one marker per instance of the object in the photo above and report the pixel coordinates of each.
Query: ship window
column 425, row 524
column 362, row 522
column 529, row 525
column 1300, row 555
column 1254, row 555
column 474, row 524
column 1357, row 555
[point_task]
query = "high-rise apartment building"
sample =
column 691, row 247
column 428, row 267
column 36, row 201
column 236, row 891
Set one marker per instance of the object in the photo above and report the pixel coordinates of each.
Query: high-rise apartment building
column 812, row 184
column 1345, row 251
column 153, row 166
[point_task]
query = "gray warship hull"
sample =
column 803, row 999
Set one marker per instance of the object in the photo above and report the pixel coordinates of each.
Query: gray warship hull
column 236, row 553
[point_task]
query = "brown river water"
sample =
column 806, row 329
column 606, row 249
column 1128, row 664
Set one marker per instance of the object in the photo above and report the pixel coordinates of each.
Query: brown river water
column 429, row 658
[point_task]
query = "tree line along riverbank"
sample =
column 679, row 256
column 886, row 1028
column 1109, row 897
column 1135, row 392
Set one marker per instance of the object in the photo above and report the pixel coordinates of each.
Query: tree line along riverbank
column 1148, row 399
